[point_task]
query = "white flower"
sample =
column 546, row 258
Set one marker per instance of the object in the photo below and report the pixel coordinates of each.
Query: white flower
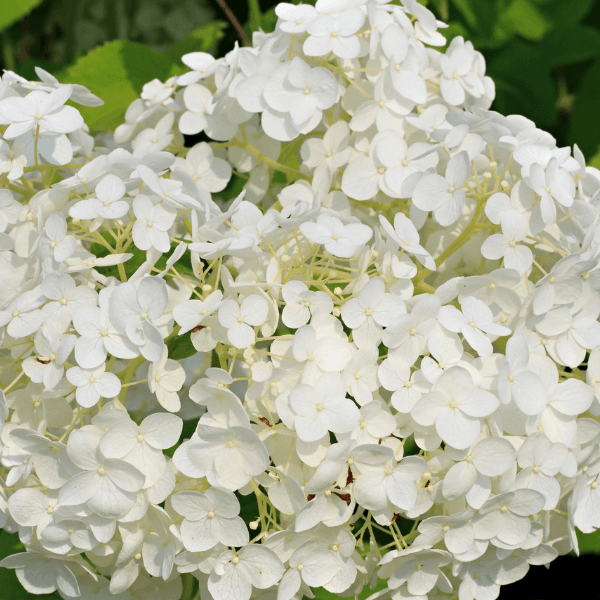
column 521, row 200
column 301, row 303
column 322, row 346
column 134, row 310
column 458, row 75
column 107, row 485
column 230, row 456
column 506, row 245
column 304, row 93
column 92, row 384
column 55, row 241
column 332, row 151
column 13, row 159
column 235, row 574
column 404, row 65
column 456, row 530
column 39, row 109
column 582, row 334
column 334, row 33
column 52, row 465
column 211, row 174
column 308, row 566
column 329, row 345
column 142, row 445
column 380, row 484
column 153, row 221
column 9, row 209
column 552, row 183
column 40, row 575
column 371, row 310
column 240, row 318
column 190, row 313
column 199, row 104
column 210, row 518
column 53, row 350
column 455, row 406
column 203, row 65
column 23, row 315
column 418, row 568
column 294, row 18
column 154, row 139
column 3, row 411
column 408, row 334
column 322, row 408
column 475, row 320
column 99, row 336
column 405, row 234
column 62, row 536
column 107, row 203
column 391, row 167
column 565, row 400
column 395, row 376
column 165, row 378
column 470, row 475
column 517, row 381
column 30, row 507
column 339, row 239
column 385, row 110
column 67, row 299
column 506, row 516
column 541, row 461
column 360, row 375
column 445, row 196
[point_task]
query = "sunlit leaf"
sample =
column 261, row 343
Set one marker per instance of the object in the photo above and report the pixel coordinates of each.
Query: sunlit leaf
column 13, row 10
column 116, row 72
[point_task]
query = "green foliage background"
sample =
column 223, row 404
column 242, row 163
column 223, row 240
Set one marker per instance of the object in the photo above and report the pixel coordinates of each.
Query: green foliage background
column 544, row 56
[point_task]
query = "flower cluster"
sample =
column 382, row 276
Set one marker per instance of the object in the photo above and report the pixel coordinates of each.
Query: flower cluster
column 350, row 337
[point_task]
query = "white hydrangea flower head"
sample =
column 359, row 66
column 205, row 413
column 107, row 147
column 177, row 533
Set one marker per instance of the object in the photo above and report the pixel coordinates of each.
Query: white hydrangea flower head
column 352, row 335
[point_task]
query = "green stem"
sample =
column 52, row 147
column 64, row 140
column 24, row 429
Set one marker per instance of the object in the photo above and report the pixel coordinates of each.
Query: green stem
column 35, row 144
column 269, row 162
column 131, row 369
column 254, row 16
column 188, row 580
column 40, row 167
column 464, row 236
column 8, row 53
column 233, row 20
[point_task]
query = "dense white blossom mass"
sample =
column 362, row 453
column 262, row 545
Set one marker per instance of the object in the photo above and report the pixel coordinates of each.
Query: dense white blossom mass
column 351, row 336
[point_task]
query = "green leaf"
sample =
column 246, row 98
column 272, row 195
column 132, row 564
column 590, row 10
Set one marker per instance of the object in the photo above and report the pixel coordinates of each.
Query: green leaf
column 201, row 39
column 455, row 28
column 13, row 10
column 480, row 16
column 589, row 543
column 466, row 10
column 594, row 161
column 568, row 13
column 524, row 84
column 254, row 15
column 181, row 346
column 585, row 125
column 248, row 507
column 526, row 19
column 572, row 45
column 116, row 72
column 321, row 594
column 269, row 20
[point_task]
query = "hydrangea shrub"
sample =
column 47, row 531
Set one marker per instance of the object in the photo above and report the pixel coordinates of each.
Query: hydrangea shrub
column 349, row 341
